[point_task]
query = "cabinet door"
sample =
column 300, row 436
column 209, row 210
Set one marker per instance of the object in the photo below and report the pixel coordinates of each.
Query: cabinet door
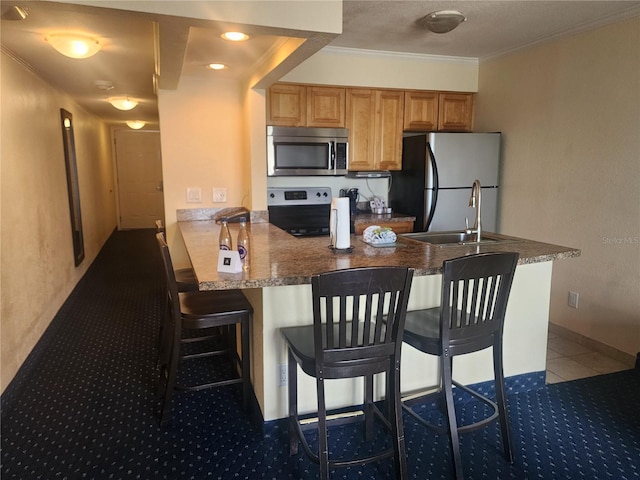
column 325, row 107
column 287, row 105
column 397, row 227
column 420, row 111
column 361, row 109
column 455, row 112
column 389, row 120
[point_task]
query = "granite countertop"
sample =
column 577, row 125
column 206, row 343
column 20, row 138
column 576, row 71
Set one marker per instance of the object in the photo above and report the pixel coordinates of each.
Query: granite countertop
column 279, row 258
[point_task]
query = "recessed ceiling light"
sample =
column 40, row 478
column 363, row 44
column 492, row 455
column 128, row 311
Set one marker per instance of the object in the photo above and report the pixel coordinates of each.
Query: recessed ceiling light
column 217, row 66
column 74, row 46
column 235, row 36
column 123, row 103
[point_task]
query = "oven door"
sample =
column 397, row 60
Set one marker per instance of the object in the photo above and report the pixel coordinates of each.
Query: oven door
column 301, row 220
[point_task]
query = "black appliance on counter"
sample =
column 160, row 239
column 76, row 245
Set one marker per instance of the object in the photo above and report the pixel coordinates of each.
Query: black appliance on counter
column 352, row 193
column 303, row 212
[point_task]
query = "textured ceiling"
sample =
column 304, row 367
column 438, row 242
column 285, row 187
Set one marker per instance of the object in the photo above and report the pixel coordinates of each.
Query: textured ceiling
column 492, row 27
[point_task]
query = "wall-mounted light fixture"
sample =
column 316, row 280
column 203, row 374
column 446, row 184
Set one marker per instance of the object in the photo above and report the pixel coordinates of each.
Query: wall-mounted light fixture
column 135, row 124
column 235, row 36
column 74, row 46
column 123, row 103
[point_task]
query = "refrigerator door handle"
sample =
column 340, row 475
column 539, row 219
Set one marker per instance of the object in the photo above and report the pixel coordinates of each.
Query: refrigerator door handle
column 434, row 200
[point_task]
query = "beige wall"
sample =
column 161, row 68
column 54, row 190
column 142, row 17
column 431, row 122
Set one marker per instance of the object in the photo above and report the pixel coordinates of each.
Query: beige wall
column 37, row 268
column 203, row 145
column 570, row 113
column 331, row 66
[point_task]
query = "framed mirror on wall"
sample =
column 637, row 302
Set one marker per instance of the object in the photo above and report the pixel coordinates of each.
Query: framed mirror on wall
column 73, row 188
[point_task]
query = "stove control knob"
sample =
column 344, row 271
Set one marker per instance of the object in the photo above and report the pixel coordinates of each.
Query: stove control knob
column 325, row 194
column 272, row 195
column 317, row 194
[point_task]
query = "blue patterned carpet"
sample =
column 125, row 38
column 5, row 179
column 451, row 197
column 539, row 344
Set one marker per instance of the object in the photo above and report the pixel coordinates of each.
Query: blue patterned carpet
column 82, row 406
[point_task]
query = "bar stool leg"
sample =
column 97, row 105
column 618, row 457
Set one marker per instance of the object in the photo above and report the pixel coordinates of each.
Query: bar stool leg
column 447, row 380
column 246, row 365
column 323, row 441
column 501, row 400
column 368, row 407
column 397, row 428
column 293, row 403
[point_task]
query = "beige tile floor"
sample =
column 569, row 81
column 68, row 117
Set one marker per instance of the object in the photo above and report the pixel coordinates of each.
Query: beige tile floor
column 569, row 360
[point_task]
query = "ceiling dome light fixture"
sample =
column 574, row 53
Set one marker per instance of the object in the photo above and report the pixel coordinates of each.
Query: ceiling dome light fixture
column 74, row 46
column 235, row 36
column 442, row 21
column 123, row 103
column 135, row 124
column 216, row 66
column 104, row 85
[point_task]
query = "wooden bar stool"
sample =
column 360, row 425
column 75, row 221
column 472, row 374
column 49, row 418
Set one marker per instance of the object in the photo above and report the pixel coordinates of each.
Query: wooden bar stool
column 201, row 317
column 337, row 347
column 475, row 291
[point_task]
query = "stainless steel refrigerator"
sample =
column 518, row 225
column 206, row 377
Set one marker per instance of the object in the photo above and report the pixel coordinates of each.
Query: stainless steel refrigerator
column 438, row 170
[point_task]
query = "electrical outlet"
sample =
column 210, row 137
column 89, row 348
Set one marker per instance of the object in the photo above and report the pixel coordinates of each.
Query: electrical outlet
column 194, row 195
column 573, row 299
column 283, row 375
column 219, row 195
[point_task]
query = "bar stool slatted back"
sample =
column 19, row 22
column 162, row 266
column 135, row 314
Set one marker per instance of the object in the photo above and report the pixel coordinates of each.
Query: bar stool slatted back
column 475, row 291
column 200, row 325
column 185, row 277
column 358, row 323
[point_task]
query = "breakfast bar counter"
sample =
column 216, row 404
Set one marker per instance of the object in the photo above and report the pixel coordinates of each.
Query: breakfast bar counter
column 278, row 286
column 278, row 258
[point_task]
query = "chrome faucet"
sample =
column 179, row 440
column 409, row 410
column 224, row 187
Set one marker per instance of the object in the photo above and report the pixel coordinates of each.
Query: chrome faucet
column 475, row 201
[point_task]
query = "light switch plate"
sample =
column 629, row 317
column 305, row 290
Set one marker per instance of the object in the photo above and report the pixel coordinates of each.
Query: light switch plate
column 573, row 299
column 194, row 195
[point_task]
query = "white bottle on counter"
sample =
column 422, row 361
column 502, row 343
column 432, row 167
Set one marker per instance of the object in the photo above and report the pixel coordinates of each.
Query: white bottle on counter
column 244, row 244
column 225, row 242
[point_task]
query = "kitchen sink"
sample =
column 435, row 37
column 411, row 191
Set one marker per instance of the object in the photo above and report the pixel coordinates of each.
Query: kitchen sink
column 455, row 238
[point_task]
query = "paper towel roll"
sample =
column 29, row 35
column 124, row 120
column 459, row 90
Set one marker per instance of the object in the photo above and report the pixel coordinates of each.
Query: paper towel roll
column 339, row 223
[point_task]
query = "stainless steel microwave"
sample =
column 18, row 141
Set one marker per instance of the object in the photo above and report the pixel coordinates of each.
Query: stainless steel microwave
column 295, row 151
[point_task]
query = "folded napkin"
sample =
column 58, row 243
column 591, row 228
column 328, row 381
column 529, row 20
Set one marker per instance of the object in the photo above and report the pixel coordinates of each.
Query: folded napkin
column 376, row 235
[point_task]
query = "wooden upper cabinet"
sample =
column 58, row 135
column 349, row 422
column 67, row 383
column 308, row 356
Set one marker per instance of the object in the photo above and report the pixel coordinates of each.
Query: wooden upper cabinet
column 455, row 112
column 326, row 107
column 389, row 118
column 305, row 106
column 287, row 105
column 361, row 109
column 374, row 120
column 420, row 110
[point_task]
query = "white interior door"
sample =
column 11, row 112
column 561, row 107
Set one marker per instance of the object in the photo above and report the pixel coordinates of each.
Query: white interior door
column 139, row 167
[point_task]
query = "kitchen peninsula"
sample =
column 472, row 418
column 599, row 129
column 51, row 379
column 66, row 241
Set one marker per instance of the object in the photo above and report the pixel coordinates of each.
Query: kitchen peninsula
column 278, row 286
